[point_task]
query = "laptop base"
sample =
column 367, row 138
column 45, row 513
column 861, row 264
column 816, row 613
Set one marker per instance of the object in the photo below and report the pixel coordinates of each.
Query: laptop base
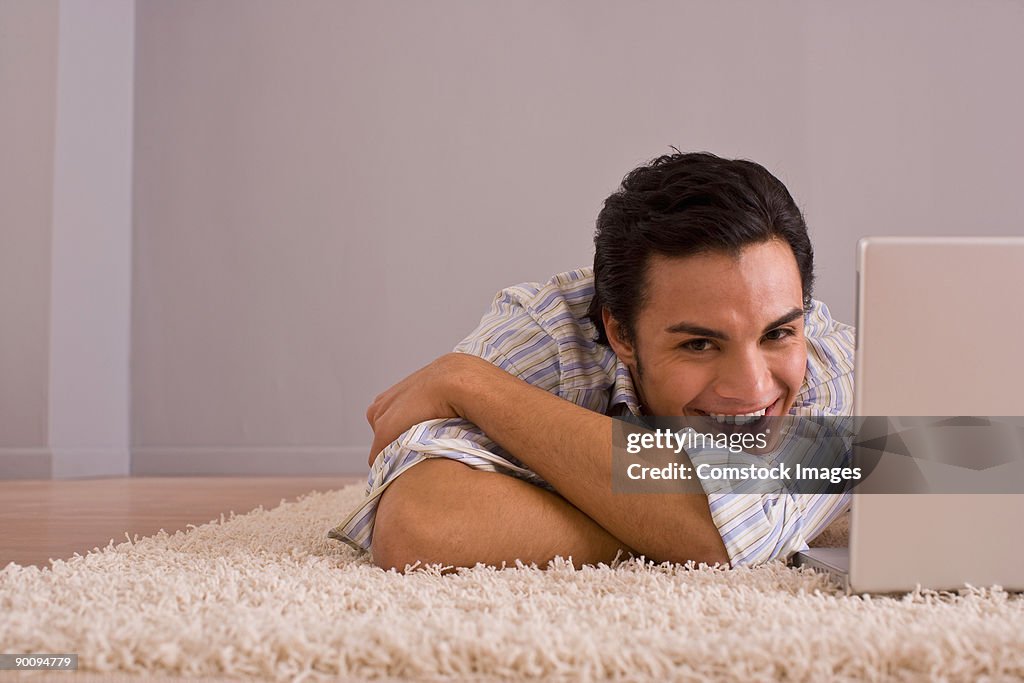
column 833, row 561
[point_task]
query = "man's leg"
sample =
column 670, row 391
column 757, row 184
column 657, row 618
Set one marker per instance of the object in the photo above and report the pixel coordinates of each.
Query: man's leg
column 443, row 511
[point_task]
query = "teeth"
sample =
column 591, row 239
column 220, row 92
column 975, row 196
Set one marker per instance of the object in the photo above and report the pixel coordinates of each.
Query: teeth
column 738, row 419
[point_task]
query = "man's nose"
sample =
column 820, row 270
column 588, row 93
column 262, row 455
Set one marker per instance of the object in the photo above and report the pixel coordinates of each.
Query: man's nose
column 745, row 378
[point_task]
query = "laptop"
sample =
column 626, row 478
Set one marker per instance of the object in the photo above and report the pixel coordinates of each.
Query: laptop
column 940, row 332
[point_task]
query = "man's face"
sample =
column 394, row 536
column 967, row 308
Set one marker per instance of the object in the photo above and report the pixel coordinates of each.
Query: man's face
column 718, row 335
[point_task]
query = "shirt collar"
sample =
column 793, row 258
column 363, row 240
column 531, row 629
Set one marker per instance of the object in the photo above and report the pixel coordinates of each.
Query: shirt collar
column 624, row 396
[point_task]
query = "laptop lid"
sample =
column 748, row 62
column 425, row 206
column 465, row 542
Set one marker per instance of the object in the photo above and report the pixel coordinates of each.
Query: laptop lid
column 940, row 332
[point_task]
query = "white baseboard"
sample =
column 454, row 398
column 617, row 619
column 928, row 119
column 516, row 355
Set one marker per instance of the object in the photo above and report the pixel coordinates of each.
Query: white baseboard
column 63, row 463
column 25, row 463
column 297, row 461
column 77, row 463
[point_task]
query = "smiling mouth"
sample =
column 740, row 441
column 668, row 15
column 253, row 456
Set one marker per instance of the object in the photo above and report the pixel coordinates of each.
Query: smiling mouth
column 745, row 418
column 738, row 418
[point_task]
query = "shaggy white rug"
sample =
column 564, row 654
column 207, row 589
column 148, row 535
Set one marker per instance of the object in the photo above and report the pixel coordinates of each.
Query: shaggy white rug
column 266, row 595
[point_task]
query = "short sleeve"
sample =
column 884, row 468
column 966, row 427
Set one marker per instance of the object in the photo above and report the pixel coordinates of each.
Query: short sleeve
column 510, row 337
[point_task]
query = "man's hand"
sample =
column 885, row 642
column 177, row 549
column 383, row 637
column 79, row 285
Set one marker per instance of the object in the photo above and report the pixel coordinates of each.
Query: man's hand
column 421, row 396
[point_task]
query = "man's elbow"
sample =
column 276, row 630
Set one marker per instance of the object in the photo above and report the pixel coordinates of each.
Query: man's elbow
column 709, row 556
column 709, row 550
column 401, row 534
column 712, row 555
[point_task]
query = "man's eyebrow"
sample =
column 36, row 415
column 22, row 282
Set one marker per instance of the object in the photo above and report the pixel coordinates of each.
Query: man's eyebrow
column 701, row 331
column 696, row 330
column 788, row 318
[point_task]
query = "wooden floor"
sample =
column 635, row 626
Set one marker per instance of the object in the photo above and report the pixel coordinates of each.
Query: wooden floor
column 43, row 519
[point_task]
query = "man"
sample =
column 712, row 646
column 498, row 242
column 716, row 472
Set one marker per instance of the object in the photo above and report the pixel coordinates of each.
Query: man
column 699, row 303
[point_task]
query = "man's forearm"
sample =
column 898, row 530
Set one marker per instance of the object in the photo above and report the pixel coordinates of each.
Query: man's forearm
column 571, row 448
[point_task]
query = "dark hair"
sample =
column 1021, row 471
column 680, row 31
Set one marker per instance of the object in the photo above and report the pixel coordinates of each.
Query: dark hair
column 685, row 204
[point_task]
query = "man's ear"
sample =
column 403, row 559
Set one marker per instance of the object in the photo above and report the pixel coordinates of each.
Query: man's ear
column 618, row 339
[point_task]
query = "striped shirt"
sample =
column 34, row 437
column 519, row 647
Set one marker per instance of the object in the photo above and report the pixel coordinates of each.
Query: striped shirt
column 541, row 334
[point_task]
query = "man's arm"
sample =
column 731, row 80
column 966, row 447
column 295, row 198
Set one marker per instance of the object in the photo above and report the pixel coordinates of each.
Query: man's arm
column 569, row 446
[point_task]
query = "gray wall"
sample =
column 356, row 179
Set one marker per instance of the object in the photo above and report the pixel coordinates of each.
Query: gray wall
column 327, row 194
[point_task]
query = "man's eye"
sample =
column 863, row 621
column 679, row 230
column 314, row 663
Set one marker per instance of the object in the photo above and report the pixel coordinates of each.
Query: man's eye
column 779, row 334
column 697, row 345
